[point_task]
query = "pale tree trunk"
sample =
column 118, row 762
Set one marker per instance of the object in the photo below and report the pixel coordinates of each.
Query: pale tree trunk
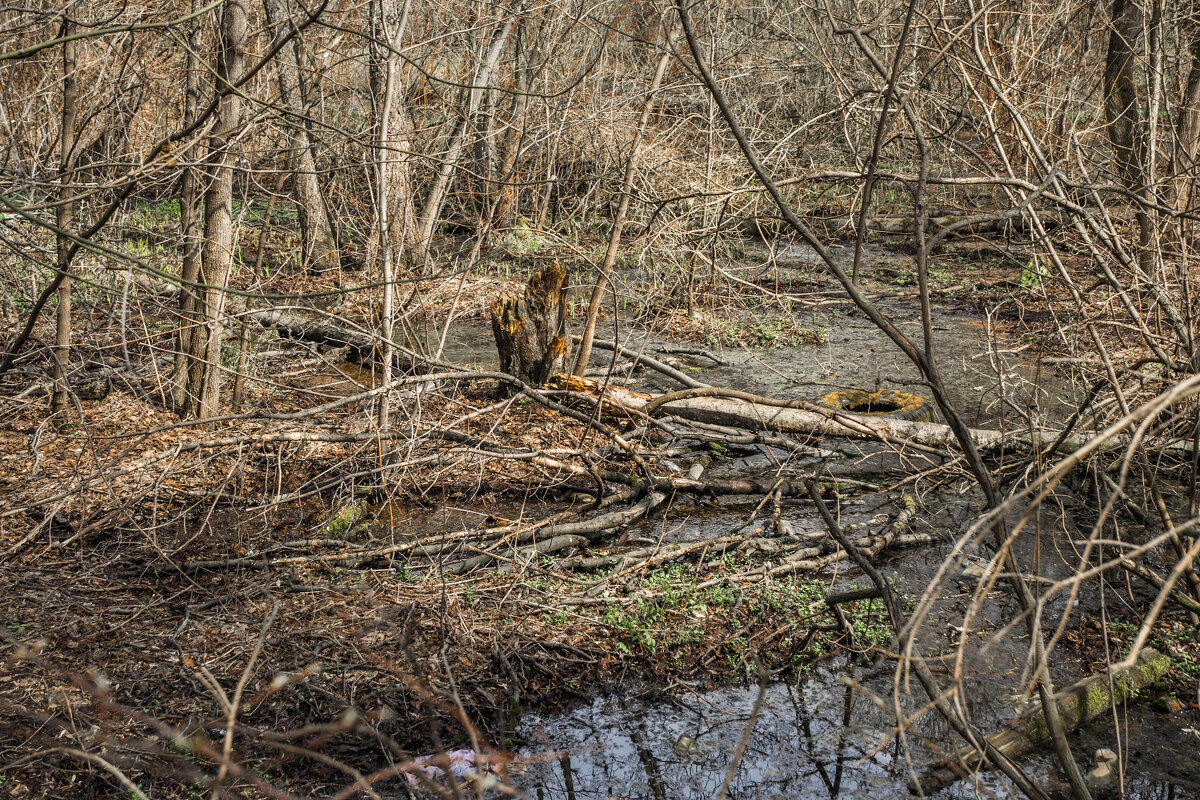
column 437, row 195
column 614, row 238
column 552, row 165
column 390, row 29
column 320, row 253
column 62, row 338
column 396, row 220
column 202, row 394
column 189, row 272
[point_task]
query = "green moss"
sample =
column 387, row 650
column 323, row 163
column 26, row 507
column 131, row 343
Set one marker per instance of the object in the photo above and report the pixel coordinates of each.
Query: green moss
column 345, row 519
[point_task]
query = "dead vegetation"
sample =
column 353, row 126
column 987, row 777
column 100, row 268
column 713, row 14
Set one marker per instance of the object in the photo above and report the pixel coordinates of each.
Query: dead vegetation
column 278, row 519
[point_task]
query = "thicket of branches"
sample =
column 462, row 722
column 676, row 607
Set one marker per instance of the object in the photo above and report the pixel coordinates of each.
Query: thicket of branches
column 181, row 181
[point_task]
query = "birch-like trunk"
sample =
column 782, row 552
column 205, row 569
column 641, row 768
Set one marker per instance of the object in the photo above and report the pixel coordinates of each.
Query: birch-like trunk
column 189, row 229
column 432, row 211
column 202, row 393
column 396, row 218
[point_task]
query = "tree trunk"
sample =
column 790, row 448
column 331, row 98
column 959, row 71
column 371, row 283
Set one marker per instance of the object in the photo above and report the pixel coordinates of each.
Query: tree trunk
column 1123, row 113
column 201, row 398
column 189, row 271
column 531, row 330
column 1122, row 110
column 320, row 252
column 396, row 222
column 389, row 26
column 504, row 215
column 432, row 211
column 1187, row 144
column 62, row 338
column 614, row 239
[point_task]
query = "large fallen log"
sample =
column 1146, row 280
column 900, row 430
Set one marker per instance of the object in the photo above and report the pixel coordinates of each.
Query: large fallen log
column 816, row 421
column 1077, row 704
column 713, row 405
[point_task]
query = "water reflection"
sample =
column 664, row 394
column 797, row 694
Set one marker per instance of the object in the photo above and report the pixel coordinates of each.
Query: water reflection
column 817, row 738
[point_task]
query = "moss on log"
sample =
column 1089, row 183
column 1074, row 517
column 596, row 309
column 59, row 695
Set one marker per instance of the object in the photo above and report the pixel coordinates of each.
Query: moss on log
column 1077, row 704
column 344, row 520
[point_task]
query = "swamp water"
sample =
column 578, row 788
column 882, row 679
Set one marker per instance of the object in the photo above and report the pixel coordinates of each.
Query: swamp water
column 813, row 736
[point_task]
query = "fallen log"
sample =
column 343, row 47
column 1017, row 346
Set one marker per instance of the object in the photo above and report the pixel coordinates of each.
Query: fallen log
column 563, row 536
column 815, row 421
column 717, row 406
column 1077, row 704
column 360, row 346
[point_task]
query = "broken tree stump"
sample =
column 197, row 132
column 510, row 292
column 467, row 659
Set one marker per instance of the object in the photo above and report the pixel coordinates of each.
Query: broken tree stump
column 531, row 329
column 1077, row 704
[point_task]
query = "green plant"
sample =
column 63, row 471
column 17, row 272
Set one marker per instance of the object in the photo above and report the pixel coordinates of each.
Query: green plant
column 521, row 239
column 868, row 620
column 722, row 594
column 736, row 651
column 1033, row 274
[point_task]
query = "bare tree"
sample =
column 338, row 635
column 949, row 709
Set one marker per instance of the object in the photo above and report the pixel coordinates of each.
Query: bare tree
column 189, row 228
column 70, row 105
column 320, row 251
column 202, row 392
column 473, row 95
column 396, row 227
column 614, row 237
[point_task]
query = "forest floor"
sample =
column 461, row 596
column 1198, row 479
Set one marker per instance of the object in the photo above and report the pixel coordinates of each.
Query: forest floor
column 273, row 570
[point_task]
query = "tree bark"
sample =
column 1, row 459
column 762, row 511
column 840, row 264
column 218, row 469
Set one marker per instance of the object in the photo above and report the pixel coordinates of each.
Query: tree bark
column 320, row 253
column 1187, row 132
column 531, row 330
column 504, row 215
column 202, row 394
column 432, row 210
column 189, row 271
column 64, row 213
column 396, row 223
column 1126, row 126
column 1121, row 108
column 392, row 212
